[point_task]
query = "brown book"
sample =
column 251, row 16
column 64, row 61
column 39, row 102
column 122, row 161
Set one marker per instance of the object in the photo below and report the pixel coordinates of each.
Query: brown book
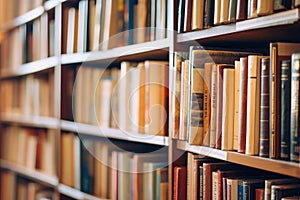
column 278, row 51
column 241, row 10
column 220, row 73
column 264, row 109
column 187, row 16
column 243, row 105
column 180, row 183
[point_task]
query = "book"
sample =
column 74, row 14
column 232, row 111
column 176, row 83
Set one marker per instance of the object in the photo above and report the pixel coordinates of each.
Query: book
column 236, row 104
column 264, row 7
column 252, row 9
column 180, row 173
column 241, row 10
column 187, row 15
column 249, row 187
column 197, row 14
column 253, row 99
column 180, row 19
column 264, row 108
column 161, row 184
column 213, row 109
column 282, row 5
column 208, row 20
column 276, row 181
column 232, row 188
column 220, row 96
column 259, row 193
column 207, row 103
column 294, row 149
column 224, row 11
column 82, row 26
column 280, row 191
column 285, row 109
column 217, row 12
column 228, row 110
column 278, row 51
column 232, row 10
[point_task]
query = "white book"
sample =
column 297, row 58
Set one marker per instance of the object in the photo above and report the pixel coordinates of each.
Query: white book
column 224, row 11
column 97, row 30
column 105, row 98
column 236, row 103
column 44, row 36
column 213, row 108
column 71, row 30
column 82, row 25
column 253, row 99
column 134, row 99
column 228, row 109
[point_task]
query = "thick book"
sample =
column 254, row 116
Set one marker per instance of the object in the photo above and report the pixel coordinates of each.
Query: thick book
column 295, row 144
column 180, row 183
column 285, row 109
column 253, row 100
column 278, row 51
column 264, row 108
column 228, row 110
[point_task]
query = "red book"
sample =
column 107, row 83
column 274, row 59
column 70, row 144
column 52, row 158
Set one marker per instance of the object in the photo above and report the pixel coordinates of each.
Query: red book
column 180, row 183
column 259, row 194
column 243, row 105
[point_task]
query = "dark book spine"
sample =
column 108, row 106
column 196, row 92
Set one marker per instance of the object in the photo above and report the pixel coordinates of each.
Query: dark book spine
column 285, row 109
column 220, row 70
column 208, row 20
column 243, row 105
column 264, row 109
column 295, row 86
column 200, row 182
column 282, row 5
column 241, row 10
column 187, row 15
column 240, row 190
column 180, row 16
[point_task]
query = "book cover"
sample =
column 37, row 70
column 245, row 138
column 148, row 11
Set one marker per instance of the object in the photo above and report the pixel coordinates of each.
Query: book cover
column 241, row 10
column 197, row 14
column 228, row 110
column 187, row 15
column 253, row 100
column 285, row 109
column 224, row 11
column 179, row 183
column 264, row 7
column 209, row 6
column 232, row 10
column 264, row 108
column 295, row 144
column 236, row 104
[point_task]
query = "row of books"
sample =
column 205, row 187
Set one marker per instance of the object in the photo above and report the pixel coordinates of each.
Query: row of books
column 104, row 170
column 133, row 98
column 195, row 15
column 12, row 9
column 13, row 187
column 238, row 101
column 28, row 147
column 205, row 178
column 94, row 25
column 28, row 95
column 29, row 42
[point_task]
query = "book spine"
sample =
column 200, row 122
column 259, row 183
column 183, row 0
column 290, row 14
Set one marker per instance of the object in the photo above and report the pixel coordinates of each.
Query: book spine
column 201, row 181
column 208, row 13
column 215, row 188
column 180, row 16
column 242, row 105
column 295, row 82
column 264, row 109
column 282, row 4
column 232, row 10
column 220, row 70
column 196, row 110
column 241, row 10
column 285, row 109
column 240, row 190
column 213, row 115
column 236, row 104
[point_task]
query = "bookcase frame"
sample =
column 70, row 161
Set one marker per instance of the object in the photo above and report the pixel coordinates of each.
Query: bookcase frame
column 229, row 35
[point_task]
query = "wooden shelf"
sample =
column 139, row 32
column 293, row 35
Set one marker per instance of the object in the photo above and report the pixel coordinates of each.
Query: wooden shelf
column 22, row 19
column 29, row 173
column 113, row 133
column 272, row 165
column 32, row 121
column 32, row 67
column 147, row 50
column 74, row 193
column 272, row 28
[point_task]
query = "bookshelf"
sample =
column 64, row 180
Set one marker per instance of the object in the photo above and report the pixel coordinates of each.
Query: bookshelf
column 250, row 35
